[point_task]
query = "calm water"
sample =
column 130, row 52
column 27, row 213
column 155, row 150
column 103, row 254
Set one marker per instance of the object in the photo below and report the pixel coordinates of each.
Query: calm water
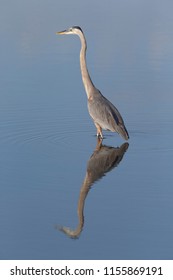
column 63, row 195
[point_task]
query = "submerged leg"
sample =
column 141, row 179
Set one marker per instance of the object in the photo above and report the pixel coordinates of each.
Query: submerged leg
column 99, row 131
column 99, row 144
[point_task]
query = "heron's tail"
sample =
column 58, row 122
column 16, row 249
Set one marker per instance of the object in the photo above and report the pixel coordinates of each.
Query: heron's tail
column 121, row 129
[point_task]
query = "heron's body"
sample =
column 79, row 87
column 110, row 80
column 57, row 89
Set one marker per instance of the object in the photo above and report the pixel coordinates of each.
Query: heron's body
column 104, row 114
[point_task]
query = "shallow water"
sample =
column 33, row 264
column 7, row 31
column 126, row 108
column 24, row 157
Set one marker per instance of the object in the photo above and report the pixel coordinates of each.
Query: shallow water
column 63, row 195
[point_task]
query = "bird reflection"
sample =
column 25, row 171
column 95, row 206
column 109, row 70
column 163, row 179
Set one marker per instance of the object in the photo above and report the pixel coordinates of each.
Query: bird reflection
column 103, row 160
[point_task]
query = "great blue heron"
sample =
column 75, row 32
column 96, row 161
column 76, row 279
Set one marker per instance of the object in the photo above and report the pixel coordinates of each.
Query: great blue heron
column 101, row 110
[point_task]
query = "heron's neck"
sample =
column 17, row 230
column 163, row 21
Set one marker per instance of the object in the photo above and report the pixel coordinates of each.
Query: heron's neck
column 88, row 84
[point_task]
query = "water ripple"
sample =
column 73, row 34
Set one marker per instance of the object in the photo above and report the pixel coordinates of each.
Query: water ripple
column 24, row 128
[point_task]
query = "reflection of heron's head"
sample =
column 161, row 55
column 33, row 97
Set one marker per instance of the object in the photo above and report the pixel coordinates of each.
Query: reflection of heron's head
column 74, row 234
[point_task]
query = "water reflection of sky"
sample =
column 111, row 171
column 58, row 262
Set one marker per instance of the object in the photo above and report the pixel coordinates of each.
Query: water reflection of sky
column 47, row 136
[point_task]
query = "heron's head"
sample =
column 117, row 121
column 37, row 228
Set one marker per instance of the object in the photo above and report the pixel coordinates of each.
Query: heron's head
column 72, row 30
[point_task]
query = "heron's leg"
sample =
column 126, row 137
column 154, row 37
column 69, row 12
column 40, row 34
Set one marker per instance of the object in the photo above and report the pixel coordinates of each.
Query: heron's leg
column 99, row 131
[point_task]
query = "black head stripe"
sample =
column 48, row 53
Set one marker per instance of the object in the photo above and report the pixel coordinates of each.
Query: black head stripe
column 77, row 27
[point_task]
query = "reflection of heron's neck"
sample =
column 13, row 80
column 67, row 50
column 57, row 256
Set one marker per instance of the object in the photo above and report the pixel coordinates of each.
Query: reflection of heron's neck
column 80, row 210
column 81, row 203
column 88, row 84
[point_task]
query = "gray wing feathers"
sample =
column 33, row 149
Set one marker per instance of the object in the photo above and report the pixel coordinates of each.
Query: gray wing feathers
column 104, row 113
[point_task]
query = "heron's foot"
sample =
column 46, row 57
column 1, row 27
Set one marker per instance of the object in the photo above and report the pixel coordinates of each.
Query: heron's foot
column 99, row 131
column 99, row 135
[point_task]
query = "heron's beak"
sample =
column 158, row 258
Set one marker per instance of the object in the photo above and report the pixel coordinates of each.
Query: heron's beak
column 61, row 32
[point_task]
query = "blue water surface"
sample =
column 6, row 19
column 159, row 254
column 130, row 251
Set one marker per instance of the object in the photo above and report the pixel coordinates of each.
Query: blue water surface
column 64, row 195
